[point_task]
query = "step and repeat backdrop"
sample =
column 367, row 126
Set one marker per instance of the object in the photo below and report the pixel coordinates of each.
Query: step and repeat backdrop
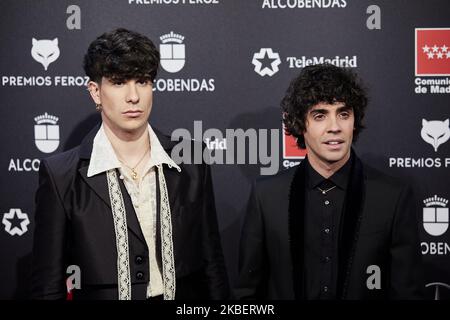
column 225, row 67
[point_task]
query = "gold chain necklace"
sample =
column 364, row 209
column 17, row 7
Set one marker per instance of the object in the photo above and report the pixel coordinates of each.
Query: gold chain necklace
column 134, row 174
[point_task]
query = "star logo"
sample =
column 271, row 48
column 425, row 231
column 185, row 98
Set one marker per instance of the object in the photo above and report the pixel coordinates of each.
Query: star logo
column 435, row 51
column 15, row 222
column 266, row 62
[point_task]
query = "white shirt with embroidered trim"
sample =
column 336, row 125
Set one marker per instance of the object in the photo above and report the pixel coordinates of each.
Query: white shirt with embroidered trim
column 142, row 193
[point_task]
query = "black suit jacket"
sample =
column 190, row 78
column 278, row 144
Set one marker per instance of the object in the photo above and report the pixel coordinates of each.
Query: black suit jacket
column 379, row 227
column 74, row 226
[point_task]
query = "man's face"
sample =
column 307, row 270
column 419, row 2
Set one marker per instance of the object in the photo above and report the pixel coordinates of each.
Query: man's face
column 126, row 104
column 329, row 133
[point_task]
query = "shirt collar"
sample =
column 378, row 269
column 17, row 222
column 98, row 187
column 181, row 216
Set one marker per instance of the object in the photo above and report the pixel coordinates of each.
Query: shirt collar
column 103, row 157
column 339, row 178
column 157, row 153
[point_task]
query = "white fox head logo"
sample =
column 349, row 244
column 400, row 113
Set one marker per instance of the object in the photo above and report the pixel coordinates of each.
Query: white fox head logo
column 45, row 51
column 435, row 132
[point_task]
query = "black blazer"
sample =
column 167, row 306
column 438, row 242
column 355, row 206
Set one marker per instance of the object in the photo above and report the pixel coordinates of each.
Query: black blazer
column 74, row 226
column 379, row 227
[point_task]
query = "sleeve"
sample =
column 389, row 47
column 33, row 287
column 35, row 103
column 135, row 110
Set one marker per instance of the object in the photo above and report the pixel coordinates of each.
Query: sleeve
column 406, row 268
column 216, row 273
column 48, row 258
column 253, row 262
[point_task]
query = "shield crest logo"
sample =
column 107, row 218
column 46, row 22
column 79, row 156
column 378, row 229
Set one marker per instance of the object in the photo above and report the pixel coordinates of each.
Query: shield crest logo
column 46, row 133
column 172, row 51
column 435, row 216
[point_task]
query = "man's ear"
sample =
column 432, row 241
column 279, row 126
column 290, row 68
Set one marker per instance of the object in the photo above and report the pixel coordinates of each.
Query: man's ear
column 94, row 91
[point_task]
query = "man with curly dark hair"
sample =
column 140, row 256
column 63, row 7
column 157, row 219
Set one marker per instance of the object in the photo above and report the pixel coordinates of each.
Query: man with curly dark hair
column 332, row 227
column 136, row 224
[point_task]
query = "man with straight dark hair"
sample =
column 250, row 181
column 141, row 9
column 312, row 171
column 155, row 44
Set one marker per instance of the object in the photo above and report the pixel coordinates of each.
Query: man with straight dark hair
column 138, row 225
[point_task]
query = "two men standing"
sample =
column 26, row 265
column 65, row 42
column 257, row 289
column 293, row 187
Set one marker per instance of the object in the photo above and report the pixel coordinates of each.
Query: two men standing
column 140, row 226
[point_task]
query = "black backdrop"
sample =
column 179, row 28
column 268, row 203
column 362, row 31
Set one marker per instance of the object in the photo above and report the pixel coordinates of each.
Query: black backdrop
column 218, row 85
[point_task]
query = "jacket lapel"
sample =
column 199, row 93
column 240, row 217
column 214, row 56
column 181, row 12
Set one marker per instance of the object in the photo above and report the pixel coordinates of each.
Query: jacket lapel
column 351, row 221
column 99, row 184
column 296, row 228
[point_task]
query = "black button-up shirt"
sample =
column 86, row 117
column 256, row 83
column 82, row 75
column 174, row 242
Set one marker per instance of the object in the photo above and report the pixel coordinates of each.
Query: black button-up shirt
column 323, row 212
